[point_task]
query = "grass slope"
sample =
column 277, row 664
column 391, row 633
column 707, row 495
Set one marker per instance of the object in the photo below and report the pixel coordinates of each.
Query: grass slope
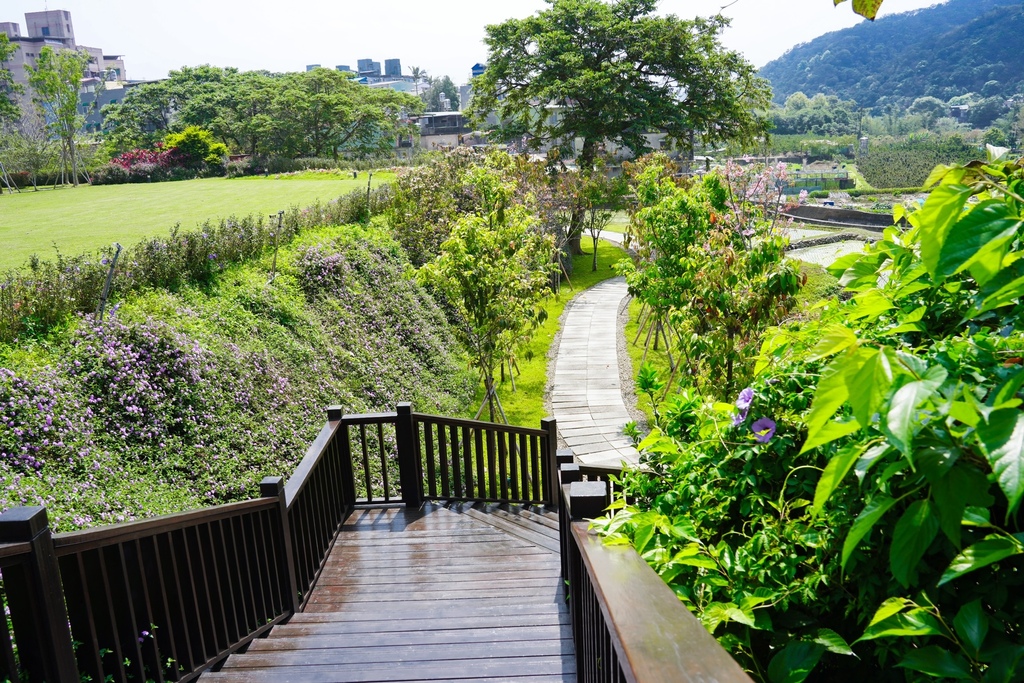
column 86, row 218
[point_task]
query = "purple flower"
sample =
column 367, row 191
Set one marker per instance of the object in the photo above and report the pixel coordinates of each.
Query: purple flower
column 745, row 399
column 764, row 429
column 738, row 418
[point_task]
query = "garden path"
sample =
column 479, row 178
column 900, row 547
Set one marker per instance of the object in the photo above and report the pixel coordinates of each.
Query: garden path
column 586, row 394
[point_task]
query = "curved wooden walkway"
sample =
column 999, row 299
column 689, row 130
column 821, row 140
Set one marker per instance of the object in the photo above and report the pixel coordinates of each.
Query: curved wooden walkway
column 445, row 593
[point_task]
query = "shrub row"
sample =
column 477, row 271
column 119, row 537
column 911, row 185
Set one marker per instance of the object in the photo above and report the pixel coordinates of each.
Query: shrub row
column 116, row 174
column 35, row 299
column 863, row 192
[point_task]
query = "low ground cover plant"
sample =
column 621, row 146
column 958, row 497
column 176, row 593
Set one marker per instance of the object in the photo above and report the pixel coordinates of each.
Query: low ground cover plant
column 855, row 509
column 185, row 398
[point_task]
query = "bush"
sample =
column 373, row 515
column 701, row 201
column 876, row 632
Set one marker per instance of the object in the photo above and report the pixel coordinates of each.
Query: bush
column 110, row 174
column 824, row 194
column 48, row 292
column 147, row 173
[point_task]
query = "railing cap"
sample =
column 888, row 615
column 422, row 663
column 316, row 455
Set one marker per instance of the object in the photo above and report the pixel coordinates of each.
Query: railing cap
column 334, row 413
column 271, row 487
column 569, row 473
column 22, row 523
column 587, row 499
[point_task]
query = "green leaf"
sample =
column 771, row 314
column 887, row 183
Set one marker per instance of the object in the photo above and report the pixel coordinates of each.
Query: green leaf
column 835, row 339
column 794, row 662
column 643, row 536
column 829, row 432
column 916, row 622
column 1007, row 294
column 899, row 424
column 868, row 306
column 832, row 641
column 971, row 625
column 836, row 469
column 935, row 661
column 953, row 492
column 914, row 532
column 940, row 212
column 1002, row 441
column 888, row 608
column 992, row 548
column 878, row 506
column 1009, row 389
column 979, row 235
column 869, row 385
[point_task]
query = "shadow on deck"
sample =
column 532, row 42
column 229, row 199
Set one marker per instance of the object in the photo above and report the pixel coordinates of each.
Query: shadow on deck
column 448, row 592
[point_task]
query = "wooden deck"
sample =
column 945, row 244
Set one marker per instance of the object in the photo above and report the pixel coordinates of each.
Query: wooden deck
column 467, row 593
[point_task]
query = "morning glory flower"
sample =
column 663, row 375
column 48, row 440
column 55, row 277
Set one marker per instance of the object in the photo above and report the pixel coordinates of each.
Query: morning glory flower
column 745, row 399
column 764, row 429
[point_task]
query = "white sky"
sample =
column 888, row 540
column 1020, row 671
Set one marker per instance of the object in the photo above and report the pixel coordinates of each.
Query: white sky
column 442, row 37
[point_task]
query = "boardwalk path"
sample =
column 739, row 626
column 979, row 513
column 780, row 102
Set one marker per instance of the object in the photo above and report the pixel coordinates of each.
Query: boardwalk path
column 586, row 394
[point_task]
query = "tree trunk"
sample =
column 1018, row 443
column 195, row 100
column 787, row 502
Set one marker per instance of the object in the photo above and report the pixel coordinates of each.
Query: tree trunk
column 585, row 162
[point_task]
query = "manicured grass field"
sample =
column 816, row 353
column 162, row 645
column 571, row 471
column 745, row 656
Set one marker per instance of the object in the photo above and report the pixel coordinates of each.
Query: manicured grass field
column 82, row 219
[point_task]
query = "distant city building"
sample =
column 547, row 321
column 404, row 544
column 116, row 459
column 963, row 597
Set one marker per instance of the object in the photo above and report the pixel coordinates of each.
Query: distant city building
column 478, row 69
column 310, row 67
column 392, row 67
column 343, row 67
column 54, row 29
column 465, row 92
column 369, row 68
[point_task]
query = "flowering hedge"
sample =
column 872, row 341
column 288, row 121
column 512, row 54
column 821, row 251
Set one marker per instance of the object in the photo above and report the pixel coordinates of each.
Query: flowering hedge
column 188, row 398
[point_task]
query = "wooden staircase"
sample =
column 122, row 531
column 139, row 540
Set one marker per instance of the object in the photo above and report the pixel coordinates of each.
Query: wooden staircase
column 459, row 592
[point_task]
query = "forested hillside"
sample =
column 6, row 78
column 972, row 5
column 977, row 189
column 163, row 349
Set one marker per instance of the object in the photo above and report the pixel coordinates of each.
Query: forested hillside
column 959, row 47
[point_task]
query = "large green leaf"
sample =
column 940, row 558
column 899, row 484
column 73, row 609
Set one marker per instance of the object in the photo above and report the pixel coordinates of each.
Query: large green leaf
column 978, row 235
column 866, row 8
column 940, row 211
column 832, row 641
column 915, row 622
column 869, row 385
column 961, row 486
column 992, row 548
column 878, row 506
column 1002, row 441
column 935, row 661
column 836, row 338
column 971, row 625
column 899, row 423
column 794, row 662
column 1009, row 293
column 828, row 433
column 834, row 472
column 913, row 534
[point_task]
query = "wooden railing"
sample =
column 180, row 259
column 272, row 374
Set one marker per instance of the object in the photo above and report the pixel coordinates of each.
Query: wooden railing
column 411, row 457
column 166, row 598
column 627, row 624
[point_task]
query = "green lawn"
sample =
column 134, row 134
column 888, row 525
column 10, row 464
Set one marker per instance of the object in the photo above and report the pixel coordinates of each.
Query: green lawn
column 82, row 219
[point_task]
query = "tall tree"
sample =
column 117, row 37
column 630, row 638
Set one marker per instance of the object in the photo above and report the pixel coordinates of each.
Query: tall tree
column 440, row 86
column 615, row 71
column 9, row 90
column 418, row 75
column 55, row 81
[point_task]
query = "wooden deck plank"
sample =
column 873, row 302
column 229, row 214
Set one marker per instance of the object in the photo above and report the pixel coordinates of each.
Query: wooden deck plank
column 435, row 594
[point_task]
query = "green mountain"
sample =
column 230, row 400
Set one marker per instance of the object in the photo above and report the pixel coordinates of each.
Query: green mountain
column 955, row 48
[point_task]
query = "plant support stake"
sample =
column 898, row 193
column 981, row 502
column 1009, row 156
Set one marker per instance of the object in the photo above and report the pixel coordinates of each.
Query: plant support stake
column 273, row 263
column 110, row 278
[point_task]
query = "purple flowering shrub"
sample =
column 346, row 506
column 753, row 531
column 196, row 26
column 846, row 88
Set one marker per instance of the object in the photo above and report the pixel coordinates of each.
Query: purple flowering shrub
column 182, row 399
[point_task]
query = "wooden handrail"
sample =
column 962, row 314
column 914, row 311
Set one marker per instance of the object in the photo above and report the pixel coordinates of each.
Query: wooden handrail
column 300, row 476
column 463, row 422
column 627, row 623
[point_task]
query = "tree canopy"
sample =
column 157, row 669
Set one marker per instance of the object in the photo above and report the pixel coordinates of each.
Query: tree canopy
column 8, row 88
column 615, row 71
column 55, row 83
column 316, row 113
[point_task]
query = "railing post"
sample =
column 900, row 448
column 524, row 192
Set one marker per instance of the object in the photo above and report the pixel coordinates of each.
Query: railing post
column 348, row 479
column 273, row 487
column 409, row 473
column 587, row 499
column 550, row 425
column 36, row 600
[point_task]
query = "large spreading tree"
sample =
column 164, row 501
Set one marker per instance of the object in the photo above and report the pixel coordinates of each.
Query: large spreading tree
column 9, row 90
column 615, row 72
column 55, row 83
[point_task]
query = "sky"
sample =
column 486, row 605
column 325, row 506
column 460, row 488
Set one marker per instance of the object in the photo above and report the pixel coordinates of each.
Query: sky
column 443, row 38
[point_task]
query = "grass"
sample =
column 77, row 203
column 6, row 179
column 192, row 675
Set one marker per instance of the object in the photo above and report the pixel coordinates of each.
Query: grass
column 82, row 219
column 525, row 406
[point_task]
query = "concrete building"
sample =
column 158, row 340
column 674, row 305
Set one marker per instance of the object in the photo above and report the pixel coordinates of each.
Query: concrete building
column 368, row 68
column 392, row 67
column 343, row 67
column 310, row 67
column 54, row 29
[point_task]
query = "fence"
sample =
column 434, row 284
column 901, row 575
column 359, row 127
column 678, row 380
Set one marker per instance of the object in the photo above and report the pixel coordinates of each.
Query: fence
column 627, row 624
